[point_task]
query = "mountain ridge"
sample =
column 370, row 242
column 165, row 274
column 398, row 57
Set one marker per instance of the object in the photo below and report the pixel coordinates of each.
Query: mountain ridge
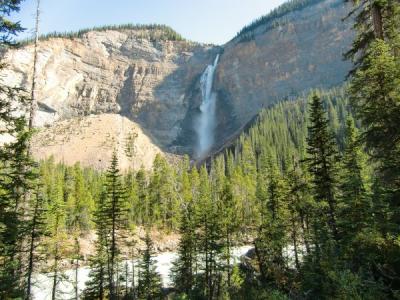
column 155, row 83
column 165, row 32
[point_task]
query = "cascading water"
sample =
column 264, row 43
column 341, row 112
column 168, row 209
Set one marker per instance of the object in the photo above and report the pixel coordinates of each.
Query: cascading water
column 206, row 122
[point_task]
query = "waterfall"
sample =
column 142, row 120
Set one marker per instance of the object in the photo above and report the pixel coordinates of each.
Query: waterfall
column 206, row 121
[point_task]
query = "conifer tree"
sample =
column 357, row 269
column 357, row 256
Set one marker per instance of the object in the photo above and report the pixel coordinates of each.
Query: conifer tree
column 299, row 206
column 230, row 227
column 79, row 207
column 183, row 271
column 57, row 232
column 227, row 208
column 247, row 182
column 17, row 177
column 97, row 286
column 133, row 289
column 163, row 198
column 36, row 229
column 149, row 287
column 322, row 164
column 210, row 236
column 355, row 204
column 114, row 217
column 271, row 238
column 375, row 97
column 184, row 267
column 9, row 29
column 320, row 266
column 134, row 214
column 15, row 174
column 375, row 20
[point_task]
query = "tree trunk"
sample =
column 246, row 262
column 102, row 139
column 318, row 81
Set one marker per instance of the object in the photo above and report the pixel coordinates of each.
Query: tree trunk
column 32, row 112
column 260, row 260
column 228, row 259
column 76, row 279
column 332, row 217
column 133, row 280
column 31, row 249
column 304, row 228
column 207, row 271
column 26, row 192
column 211, row 277
column 77, row 247
column 113, row 249
column 54, row 289
column 101, row 283
column 331, row 202
column 126, row 279
column 294, row 238
column 377, row 20
column 117, row 285
column 55, row 266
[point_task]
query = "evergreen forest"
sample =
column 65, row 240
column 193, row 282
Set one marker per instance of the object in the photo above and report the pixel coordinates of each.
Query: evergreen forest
column 313, row 185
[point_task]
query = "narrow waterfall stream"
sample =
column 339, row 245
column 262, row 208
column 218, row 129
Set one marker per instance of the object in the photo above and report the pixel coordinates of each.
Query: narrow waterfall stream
column 206, row 122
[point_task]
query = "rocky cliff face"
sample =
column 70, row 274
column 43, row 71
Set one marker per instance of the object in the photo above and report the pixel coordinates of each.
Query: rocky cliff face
column 120, row 72
column 297, row 52
column 114, row 77
column 113, row 72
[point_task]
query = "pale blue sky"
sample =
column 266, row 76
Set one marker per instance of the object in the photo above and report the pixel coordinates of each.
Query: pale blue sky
column 210, row 21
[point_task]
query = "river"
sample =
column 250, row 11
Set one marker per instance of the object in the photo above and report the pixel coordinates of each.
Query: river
column 43, row 282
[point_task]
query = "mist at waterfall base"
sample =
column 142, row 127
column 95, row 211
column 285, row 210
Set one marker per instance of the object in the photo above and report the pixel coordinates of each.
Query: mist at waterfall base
column 206, row 122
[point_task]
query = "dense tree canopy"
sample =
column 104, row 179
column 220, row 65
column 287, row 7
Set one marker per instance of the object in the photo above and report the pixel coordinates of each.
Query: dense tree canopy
column 313, row 185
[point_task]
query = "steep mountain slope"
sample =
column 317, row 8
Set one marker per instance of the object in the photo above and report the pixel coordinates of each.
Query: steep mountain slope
column 281, row 58
column 93, row 139
column 138, row 73
column 150, row 78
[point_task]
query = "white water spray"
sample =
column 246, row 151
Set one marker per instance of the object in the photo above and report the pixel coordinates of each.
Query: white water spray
column 206, row 122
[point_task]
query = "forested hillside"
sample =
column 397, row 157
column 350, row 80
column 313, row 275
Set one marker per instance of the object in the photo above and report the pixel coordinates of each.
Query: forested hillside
column 313, row 185
column 72, row 199
column 152, row 32
column 280, row 131
column 282, row 128
column 246, row 33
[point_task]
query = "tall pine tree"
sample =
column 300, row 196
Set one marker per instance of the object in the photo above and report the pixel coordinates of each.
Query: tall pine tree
column 322, row 160
column 149, row 287
column 115, row 219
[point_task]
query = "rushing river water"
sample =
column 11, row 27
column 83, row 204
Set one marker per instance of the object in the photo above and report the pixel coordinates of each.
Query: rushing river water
column 164, row 261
